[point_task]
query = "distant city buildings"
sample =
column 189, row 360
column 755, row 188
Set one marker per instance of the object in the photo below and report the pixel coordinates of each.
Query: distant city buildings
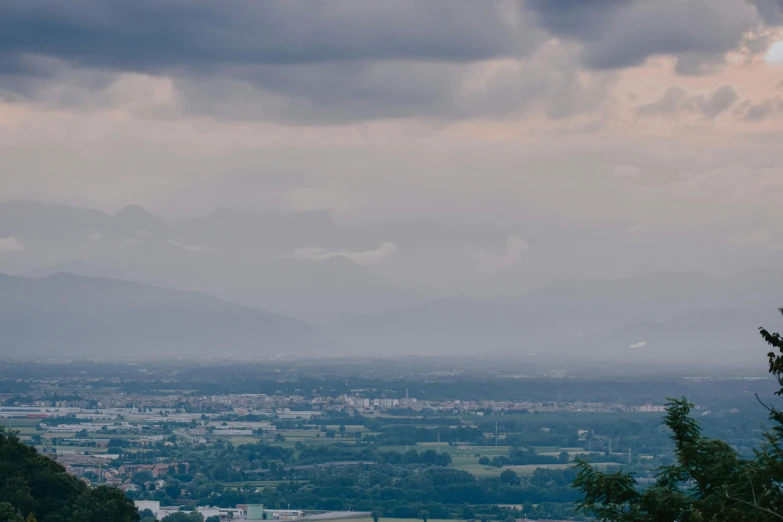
column 249, row 512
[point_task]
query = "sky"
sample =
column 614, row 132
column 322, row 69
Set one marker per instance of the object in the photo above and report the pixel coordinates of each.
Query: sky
column 625, row 118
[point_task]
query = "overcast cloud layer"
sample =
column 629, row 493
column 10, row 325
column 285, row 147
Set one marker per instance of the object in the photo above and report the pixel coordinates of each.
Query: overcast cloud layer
column 626, row 124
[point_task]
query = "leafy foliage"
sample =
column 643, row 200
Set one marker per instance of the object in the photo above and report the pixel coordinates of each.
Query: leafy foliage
column 708, row 481
column 38, row 488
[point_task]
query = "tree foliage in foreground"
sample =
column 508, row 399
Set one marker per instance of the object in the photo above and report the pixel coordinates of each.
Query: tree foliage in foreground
column 708, row 482
column 34, row 487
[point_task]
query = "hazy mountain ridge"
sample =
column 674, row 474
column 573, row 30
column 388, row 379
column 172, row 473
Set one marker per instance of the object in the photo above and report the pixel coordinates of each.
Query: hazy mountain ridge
column 670, row 311
column 718, row 327
column 80, row 268
column 66, row 314
column 239, row 257
column 253, row 259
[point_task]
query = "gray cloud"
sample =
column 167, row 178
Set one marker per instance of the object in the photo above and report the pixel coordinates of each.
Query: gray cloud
column 338, row 60
column 158, row 37
column 623, row 33
column 152, row 36
column 362, row 90
column 484, row 261
column 718, row 101
column 675, row 99
column 678, row 100
column 10, row 244
column 349, row 60
column 362, row 258
column 763, row 109
column 770, row 10
column 291, row 58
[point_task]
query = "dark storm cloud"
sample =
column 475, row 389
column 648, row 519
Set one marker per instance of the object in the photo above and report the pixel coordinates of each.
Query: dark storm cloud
column 770, row 10
column 678, row 100
column 352, row 59
column 582, row 20
column 153, row 36
column 624, row 33
column 339, row 59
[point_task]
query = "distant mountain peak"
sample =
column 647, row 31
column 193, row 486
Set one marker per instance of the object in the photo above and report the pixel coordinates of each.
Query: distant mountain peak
column 136, row 211
column 135, row 219
column 78, row 267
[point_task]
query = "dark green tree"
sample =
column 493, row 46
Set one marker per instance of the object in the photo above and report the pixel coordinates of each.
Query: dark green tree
column 32, row 484
column 104, row 503
column 509, row 476
column 9, row 514
column 424, row 515
column 172, row 489
column 707, row 482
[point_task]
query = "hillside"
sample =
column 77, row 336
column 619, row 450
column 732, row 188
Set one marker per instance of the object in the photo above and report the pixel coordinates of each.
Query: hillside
column 31, row 483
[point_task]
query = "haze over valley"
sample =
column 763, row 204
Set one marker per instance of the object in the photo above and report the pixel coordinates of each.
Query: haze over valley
column 290, row 269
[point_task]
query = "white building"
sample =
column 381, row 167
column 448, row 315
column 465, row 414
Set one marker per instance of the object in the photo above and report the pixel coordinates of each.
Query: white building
column 284, row 514
column 232, row 432
column 388, row 403
column 152, row 505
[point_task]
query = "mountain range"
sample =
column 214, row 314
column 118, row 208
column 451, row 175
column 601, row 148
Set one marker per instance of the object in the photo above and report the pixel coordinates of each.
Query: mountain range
column 70, row 315
column 278, row 262
column 661, row 317
column 346, row 281
column 681, row 315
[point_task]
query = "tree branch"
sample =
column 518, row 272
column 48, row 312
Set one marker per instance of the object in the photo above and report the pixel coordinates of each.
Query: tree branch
column 753, row 504
column 768, row 408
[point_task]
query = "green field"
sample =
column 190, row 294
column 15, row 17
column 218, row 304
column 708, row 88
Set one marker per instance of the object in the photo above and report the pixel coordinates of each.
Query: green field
column 336, row 427
column 19, row 423
column 465, row 458
column 479, row 470
column 490, row 451
column 25, row 427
